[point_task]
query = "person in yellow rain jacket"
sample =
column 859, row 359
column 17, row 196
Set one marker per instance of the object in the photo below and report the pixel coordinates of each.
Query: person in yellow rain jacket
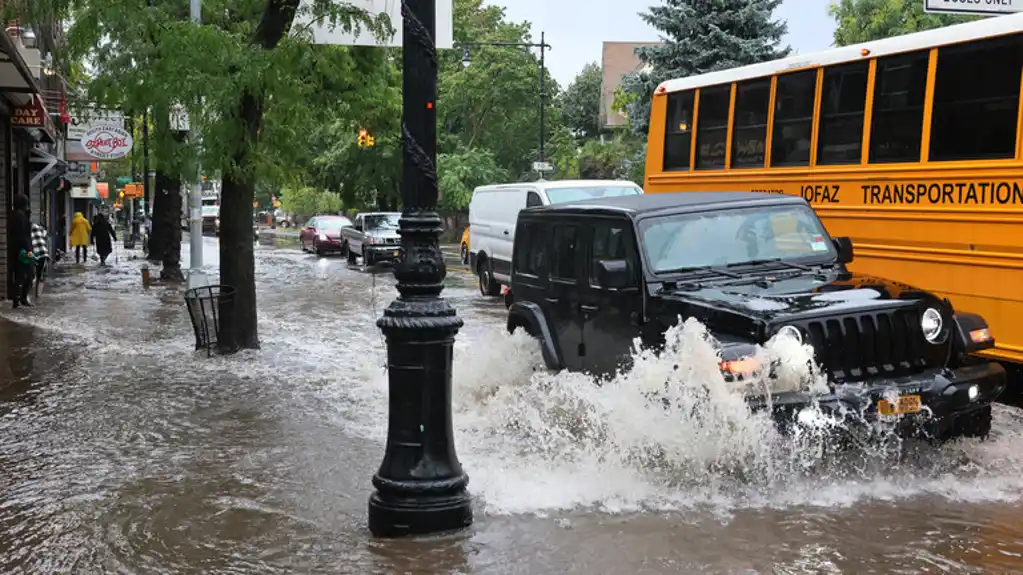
column 80, row 230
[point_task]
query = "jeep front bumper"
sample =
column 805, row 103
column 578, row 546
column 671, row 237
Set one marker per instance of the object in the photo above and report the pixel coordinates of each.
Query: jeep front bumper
column 942, row 395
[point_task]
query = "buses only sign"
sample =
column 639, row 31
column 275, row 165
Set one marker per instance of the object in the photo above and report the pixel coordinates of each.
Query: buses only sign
column 974, row 7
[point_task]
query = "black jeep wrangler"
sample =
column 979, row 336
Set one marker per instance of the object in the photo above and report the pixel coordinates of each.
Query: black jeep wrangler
column 590, row 277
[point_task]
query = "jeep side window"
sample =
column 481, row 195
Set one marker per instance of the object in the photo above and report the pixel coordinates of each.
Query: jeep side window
column 564, row 252
column 533, row 200
column 531, row 257
column 610, row 242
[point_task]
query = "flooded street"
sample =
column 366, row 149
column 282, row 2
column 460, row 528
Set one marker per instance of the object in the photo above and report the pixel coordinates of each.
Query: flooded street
column 122, row 450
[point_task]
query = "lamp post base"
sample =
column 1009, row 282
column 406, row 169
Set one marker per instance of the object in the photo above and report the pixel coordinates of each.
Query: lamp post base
column 393, row 517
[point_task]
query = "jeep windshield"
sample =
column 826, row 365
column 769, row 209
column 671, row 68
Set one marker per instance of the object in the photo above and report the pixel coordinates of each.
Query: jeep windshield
column 734, row 237
column 575, row 194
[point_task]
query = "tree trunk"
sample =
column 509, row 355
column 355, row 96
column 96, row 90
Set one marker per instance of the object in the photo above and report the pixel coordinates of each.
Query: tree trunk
column 168, row 193
column 240, row 328
column 158, row 238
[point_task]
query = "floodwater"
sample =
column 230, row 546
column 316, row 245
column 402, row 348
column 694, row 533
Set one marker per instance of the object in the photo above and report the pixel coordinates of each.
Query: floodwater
column 122, row 450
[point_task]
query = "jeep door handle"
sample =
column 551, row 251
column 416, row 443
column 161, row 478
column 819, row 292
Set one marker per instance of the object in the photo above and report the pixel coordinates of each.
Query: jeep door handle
column 589, row 308
column 505, row 232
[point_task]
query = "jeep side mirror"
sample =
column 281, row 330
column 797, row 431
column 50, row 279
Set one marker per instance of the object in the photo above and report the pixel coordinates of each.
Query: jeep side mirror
column 613, row 273
column 845, row 249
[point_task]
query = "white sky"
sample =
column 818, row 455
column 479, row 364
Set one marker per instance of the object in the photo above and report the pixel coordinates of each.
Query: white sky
column 576, row 29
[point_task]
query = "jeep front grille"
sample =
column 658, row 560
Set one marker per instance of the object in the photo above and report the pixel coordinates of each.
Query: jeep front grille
column 862, row 346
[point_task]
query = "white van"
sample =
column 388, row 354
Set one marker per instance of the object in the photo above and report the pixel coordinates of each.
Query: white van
column 494, row 210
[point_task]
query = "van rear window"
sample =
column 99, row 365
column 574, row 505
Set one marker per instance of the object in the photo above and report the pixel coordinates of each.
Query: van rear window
column 563, row 195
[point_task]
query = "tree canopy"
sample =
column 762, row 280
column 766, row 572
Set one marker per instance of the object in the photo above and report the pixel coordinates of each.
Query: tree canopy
column 866, row 20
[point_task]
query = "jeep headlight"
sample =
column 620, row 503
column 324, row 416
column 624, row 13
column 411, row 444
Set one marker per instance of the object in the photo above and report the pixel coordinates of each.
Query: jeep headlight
column 323, row 237
column 931, row 324
column 790, row 331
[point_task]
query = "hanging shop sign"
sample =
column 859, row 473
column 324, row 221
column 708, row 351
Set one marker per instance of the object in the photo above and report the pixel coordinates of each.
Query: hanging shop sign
column 107, row 142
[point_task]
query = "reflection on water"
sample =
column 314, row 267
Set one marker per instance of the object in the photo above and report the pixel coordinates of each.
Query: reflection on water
column 122, row 450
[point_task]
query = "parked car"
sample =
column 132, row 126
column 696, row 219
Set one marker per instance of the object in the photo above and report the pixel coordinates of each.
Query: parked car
column 373, row 237
column 493, row 211
column 591, row 276
column 464, row 247
column 323, row 234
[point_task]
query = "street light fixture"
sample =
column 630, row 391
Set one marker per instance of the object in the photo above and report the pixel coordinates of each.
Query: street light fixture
column 543, row 46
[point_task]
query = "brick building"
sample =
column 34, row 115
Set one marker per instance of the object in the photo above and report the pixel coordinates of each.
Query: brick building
column 617, row 60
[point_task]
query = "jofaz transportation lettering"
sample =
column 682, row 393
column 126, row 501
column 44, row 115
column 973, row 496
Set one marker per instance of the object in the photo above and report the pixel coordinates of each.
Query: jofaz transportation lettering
column 963, row 193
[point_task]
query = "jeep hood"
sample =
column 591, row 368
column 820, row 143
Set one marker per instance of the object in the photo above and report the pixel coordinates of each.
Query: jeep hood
column 805, row 295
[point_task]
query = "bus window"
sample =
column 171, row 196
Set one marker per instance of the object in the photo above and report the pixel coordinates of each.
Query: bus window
column 679, row 131
column 793, row 119
column 712, row 127
column 749, row 133
column 897, row 122
column 976, row 99
column 840, row 137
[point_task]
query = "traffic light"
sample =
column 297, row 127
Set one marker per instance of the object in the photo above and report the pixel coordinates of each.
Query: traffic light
column 122, row 194
column 371, row 141
column 363, row 138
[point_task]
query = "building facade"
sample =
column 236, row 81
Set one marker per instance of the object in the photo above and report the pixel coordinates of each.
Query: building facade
column 29, row 159
column 617, row 60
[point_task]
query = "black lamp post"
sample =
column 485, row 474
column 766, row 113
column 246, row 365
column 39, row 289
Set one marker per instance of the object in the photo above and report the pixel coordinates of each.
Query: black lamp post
column 543, row 46
column 420, row 486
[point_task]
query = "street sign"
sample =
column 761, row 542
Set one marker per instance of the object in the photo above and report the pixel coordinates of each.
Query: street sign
column 542, row 167
column 83, row 120
column 123, row 180
column 974, row 7
column 323, row 32
column 179, row 119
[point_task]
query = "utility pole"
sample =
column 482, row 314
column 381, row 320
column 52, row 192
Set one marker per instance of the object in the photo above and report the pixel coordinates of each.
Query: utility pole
column 420, row 486
column 196, row 275
column 146, row 197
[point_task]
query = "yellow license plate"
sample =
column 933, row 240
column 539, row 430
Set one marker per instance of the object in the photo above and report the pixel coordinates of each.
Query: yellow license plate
column 905, row 404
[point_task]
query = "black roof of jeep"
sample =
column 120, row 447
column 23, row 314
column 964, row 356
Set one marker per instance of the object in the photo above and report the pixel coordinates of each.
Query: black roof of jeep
column 651, row 204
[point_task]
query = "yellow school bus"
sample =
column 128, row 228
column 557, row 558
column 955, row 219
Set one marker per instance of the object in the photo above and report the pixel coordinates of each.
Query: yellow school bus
column 910, row 146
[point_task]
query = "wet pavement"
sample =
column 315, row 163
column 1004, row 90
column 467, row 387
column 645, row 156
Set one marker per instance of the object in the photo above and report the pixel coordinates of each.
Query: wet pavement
column 122, row 450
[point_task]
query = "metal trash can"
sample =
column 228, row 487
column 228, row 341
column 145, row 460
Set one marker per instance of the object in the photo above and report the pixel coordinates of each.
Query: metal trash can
column 204, row 310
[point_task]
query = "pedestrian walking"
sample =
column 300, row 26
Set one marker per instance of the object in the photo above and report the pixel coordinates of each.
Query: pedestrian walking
column 102, row 232
column 21, row 237
column 80, row 230
column 41, row 251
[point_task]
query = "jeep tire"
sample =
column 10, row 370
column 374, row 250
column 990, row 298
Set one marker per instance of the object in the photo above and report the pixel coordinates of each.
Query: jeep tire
column 488, row 283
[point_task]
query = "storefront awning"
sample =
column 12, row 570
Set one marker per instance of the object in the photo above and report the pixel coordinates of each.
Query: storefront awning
column 45, row 167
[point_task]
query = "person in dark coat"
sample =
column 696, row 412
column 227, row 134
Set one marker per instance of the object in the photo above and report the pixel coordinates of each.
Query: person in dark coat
column 102, row 231
column 21, row 236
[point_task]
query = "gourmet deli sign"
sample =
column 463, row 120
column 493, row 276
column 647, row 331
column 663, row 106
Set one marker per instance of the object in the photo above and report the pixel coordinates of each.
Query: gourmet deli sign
column 107, row 142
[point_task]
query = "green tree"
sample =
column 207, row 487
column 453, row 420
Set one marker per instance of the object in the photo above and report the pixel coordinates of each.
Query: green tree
column 253, row 89
column 866, row 20
column 580, row 104
column 700, row 37
column 460, row 173
column 612, row 160
column 306, row 201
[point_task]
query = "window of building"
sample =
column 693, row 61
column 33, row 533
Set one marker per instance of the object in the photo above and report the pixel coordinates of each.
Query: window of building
column 749, row 132
column 793, row 119
column 531, row 253
column 843, row 99
column 564, row 262
column 976, row 100
column 898, row 117
column 533, row 200
column 712, row 127
column 678, row 135
column 610, row 242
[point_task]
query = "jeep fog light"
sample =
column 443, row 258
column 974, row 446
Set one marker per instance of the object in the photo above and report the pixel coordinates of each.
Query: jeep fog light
column 790, row 331
column 745, row 367
column 973, row 392
column 931, row 324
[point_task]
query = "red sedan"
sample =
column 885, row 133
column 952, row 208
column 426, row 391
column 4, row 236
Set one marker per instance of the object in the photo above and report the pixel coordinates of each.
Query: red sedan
column 322, row 234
